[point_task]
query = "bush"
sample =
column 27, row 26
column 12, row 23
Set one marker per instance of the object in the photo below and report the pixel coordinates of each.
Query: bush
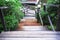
column 44, row 17
column 50, row 28
column 52, row 10
column 12, row 14
column 53, row 15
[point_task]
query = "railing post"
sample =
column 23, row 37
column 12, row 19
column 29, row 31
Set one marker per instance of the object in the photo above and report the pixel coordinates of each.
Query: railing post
column 40, row 18
column 2, row 18
column 39, row 14
column 38, row 9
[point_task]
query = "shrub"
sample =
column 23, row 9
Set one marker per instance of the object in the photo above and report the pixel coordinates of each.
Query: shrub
column 12, row 15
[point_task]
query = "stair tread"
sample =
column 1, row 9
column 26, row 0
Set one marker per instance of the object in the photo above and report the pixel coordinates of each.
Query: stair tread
column 29, row 39
column 29, row 18
column 30, row 34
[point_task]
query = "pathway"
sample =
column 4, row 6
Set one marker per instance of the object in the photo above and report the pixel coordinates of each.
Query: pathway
column 29, row 22
column 32, row 31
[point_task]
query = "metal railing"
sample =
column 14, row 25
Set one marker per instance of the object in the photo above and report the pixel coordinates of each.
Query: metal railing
column 49, row 19
column 51, row 23
column 2, row 17
column 39, row 14
column 41, row 18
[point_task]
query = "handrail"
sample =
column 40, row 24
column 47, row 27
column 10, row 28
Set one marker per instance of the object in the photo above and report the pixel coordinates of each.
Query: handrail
column 40, row 18
column 51, row 23
column 50, row 20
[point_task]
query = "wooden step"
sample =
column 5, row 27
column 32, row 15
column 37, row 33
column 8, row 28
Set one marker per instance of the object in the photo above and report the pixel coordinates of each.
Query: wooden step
column 21, row 25
column 28, row 22
column 31, row 34
column 29, row 18
column 33, row 28
column 29, row 38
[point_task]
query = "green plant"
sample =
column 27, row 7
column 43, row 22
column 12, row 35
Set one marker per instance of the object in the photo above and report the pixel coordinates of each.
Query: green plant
column 52, row 12
column 50, row 28
column 12, row 14
column 44, row 17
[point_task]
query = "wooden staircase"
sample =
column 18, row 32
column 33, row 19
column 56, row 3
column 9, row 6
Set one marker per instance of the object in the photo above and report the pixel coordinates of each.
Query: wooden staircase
column 29, row 22
column 29, row 29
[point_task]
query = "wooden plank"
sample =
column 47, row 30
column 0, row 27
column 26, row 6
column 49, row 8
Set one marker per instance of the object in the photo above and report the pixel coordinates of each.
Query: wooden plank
column 30, row 34
column 29, row 38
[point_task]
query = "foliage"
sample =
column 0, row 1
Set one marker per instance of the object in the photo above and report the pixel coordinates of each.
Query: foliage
column 50, row 28
column 44, row 17
column 52, row 12
column 12, row 14
column 50, row 1
column 53, row 17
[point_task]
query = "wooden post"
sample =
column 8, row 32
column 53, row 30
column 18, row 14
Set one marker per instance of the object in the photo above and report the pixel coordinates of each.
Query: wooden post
column 2, row 18
column 58, row 21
